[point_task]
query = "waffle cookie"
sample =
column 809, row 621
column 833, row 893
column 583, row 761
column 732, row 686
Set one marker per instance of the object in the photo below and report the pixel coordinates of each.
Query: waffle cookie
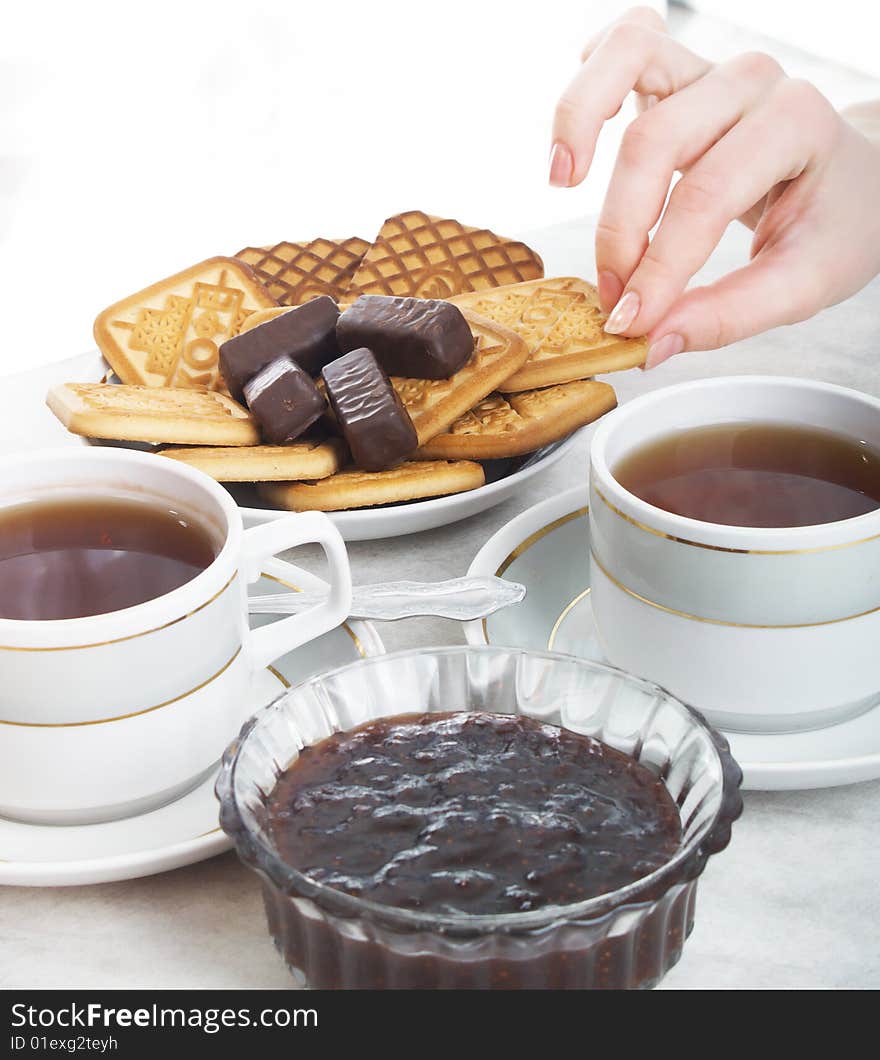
column 363, row 489
column 295, row 272
column 150, row 414
column 432, row 257
column 265, row 463
column 169, row 334
column 502, row 426
column 561, row 322
column 435, row 404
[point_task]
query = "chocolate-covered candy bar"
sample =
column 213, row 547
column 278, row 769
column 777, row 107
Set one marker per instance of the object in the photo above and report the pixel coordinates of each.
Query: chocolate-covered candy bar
column 284, row 400
column 370, row 415
column 307, row 334
column 416, row 337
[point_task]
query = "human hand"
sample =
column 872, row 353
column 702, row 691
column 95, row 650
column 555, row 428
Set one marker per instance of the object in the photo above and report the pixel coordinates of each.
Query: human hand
column 752, row 144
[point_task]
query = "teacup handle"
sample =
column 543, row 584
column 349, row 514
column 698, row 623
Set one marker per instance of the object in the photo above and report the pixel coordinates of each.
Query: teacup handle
column 269, row 643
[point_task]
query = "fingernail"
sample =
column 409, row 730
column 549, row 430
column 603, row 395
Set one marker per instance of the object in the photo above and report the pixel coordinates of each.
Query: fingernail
column 663, row 349
column 561, row 166
column 623, row 314
column 610, row 290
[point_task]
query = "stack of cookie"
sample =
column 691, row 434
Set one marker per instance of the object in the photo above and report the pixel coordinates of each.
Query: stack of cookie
column 451, row 350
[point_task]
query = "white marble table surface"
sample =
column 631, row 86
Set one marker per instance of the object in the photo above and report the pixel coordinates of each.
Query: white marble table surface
column 793, row 902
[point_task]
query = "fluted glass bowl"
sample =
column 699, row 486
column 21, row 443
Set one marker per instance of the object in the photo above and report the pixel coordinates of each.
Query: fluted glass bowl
column 626, row 938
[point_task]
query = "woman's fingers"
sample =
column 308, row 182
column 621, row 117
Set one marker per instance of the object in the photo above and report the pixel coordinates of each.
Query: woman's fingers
column 646, row 17
column 668, row 137
column 780, row 286
column 751, row 145
column 629, row 57
column 773, row 143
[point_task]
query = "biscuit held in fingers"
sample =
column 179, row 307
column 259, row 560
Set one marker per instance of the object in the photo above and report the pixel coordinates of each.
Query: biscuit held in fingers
column 562, row 325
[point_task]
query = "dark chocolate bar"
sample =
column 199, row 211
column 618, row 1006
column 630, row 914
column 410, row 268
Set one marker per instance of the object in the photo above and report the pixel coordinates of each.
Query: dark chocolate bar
column 284, row 400
column 416, row 337
column 370, row 415
column 307, row 334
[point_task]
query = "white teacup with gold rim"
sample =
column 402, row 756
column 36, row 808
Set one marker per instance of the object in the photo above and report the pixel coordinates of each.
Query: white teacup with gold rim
column 116, row 713
column 763, row 629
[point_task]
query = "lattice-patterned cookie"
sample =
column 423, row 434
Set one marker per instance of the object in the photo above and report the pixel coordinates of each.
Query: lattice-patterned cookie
column 295, row 272
column 152, row 414
column 435, row 404
column 561, row 321
column 365, row 489
column 510, row 425
column 265, row 463
column 432, row 257
column 169, row 334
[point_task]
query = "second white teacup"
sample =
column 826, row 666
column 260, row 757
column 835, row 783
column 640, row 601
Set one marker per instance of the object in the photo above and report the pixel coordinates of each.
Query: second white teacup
column 765, row 630
column 116, row 713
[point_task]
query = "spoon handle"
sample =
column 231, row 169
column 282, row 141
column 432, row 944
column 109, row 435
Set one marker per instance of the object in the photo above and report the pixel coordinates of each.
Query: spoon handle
column 463, row 599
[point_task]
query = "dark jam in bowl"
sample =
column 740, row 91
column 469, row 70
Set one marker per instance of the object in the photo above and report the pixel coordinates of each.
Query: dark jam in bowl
column 470, row 813
column 450, row 815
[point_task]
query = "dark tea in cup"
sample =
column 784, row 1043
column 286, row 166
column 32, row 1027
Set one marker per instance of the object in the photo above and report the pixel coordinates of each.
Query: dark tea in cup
column 755, row 474
column 78, row 557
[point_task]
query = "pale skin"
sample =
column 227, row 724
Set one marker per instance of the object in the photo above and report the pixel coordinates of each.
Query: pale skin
column 751, row 144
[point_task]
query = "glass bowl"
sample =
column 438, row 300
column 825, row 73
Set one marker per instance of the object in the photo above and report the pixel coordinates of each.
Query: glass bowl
column 624, row 939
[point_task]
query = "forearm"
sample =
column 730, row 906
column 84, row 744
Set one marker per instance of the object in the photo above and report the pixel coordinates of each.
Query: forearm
column 866, row 118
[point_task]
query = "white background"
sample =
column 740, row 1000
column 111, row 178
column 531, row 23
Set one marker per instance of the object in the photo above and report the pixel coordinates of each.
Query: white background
column 846, row 31
column 137, row 139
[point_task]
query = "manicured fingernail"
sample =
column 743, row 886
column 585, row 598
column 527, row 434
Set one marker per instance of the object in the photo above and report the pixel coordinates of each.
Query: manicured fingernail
column 623, row 314
column 561, row 166
column 610, row 290
column 663, row 349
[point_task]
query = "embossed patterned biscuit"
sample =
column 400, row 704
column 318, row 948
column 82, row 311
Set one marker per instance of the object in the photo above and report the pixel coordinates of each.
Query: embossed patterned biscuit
column 261, row 316
column 364, row 489
column 152, row 414
column 265, row 463
column 169, row 334
column 433, row 257
column 435, row 404
column 510, row 425
column 295, row 272
column 561, row 321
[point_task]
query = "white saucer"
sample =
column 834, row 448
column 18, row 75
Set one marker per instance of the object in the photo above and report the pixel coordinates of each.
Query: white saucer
column 547, row 549
column 30, row 425
column 186, row 830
